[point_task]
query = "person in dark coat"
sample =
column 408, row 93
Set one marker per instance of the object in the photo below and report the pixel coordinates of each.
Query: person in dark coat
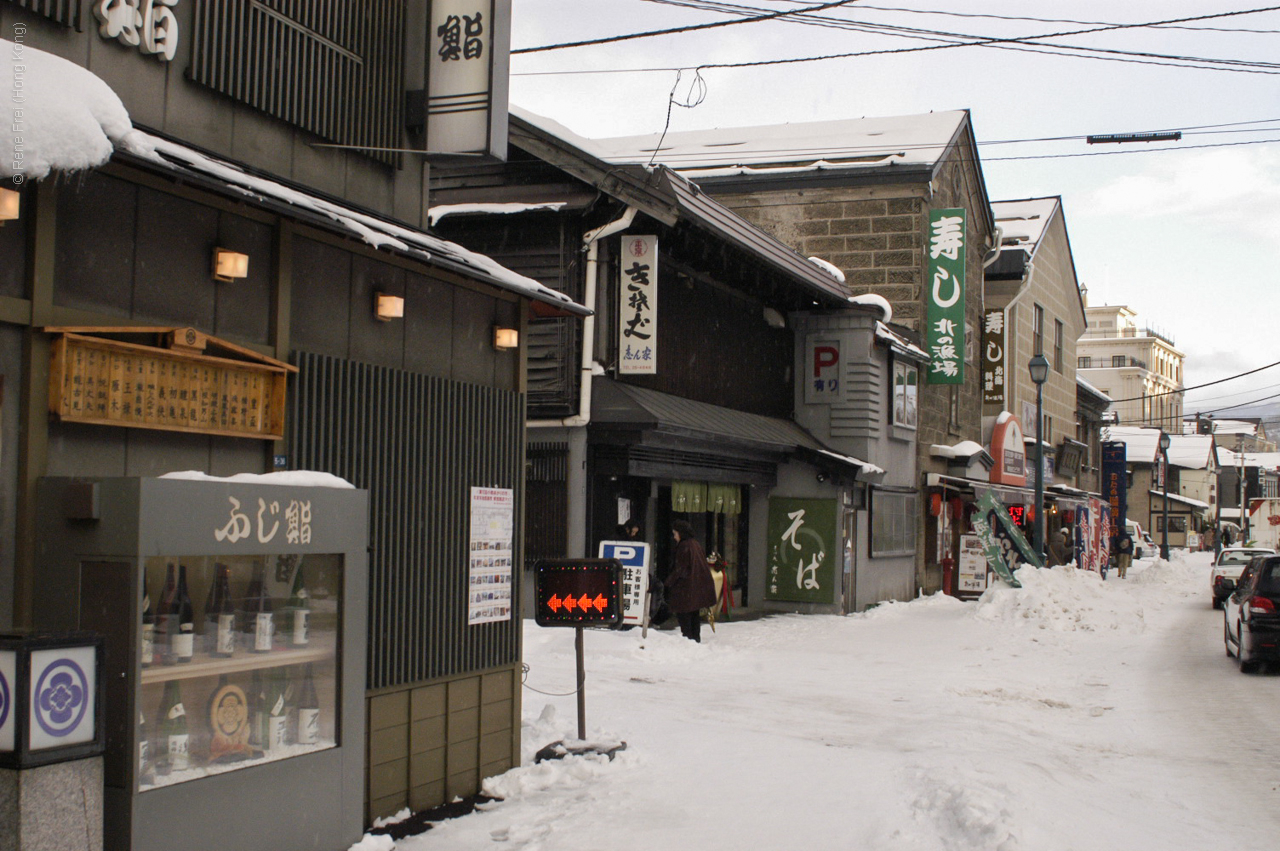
column 689, row 586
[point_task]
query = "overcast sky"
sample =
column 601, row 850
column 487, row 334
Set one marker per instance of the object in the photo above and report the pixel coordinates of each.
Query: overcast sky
column 1183, row 233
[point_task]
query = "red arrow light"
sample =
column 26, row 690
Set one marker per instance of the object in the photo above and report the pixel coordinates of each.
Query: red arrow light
column 569, row 602
column 554, row 603
column 585, row 602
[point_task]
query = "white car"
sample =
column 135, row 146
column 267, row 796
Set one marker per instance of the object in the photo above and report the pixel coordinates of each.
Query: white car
column 1227, row 569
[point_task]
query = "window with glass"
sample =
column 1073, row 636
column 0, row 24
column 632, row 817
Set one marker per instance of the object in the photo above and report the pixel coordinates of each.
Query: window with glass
column 906, row 394
column 1058, row 335
column 1117, row 360
column 240, row 664
column 1037, row 331
column 893, row 523
column 1084, row 362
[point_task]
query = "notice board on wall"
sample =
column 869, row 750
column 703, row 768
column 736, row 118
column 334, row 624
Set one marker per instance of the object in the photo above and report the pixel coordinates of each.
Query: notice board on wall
column 175, row 386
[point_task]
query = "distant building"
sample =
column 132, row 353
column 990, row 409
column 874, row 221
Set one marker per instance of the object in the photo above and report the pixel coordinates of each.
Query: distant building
column 1139, row 368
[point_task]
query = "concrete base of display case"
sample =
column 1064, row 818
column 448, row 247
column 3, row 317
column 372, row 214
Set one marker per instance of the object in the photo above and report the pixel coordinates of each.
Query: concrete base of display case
column 52, row 807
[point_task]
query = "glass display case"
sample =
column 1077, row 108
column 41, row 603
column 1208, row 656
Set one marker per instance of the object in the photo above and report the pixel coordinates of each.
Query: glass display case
column 234, row 623
column 239, row 659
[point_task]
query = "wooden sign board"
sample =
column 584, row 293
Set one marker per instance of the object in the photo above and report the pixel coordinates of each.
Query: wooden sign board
column 109, row 382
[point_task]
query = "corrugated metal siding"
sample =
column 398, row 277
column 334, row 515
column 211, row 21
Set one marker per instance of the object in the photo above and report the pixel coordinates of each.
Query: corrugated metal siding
column 65, row 12
column 329, row 66
column 418, row 444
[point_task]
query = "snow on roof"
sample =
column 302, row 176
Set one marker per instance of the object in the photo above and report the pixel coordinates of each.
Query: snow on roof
column 867, row 466
column 1193, row 451
column 72, row 120
column 899, row 343
column 1234, row 427
column 1023, row 222
column 295, row 478
column 963, row 449
column 65, row 118
column 843, row 144
column 438, row 212
column 1177, row 497
column 1141, row 444
column 875, row 301
column 1094, row 390
column 1228, row 457
column 830, row 268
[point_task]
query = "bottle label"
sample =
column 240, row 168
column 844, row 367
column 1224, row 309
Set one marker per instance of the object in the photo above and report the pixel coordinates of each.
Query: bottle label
column 275, row 731
column 262, row 632
column 148, row 649
column 308, row 726
column 226, row 641
column 176, row 711
column 300, row 625
column 183, row 646
column 144, row 752
column 178, row 757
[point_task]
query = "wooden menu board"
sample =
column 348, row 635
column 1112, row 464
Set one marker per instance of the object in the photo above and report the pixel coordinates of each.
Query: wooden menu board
column 111, row 382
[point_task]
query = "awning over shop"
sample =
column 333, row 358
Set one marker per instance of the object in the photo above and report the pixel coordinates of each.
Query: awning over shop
column 682, row 438
column 1010, row 494
column 1186, row 500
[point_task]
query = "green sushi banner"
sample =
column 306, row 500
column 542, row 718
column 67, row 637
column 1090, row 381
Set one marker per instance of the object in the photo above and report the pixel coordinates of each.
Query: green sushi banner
column 944, row 291
column 802, row 550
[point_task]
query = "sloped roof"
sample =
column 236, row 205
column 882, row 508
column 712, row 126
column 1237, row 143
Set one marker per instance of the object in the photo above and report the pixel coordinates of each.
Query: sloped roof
column 843, row 144
column 1023, row 222
column 1193, row 451
column 1142, row 445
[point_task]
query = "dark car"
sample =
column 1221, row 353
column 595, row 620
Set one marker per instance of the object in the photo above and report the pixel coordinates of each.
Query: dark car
column 1251, row 615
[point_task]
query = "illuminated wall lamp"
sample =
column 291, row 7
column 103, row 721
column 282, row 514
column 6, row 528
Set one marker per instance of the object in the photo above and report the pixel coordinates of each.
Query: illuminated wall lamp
column 387, row 307
column 505, row 338
column 8, row 205
column 229, row 265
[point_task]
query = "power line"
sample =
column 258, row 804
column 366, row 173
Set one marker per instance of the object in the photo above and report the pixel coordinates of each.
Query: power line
column 1028, row 43
column 616, row 38
column 1196, row 387
column 1187, row 403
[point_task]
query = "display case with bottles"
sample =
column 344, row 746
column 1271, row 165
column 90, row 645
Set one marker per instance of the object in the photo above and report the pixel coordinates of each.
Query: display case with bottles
column 236, row 681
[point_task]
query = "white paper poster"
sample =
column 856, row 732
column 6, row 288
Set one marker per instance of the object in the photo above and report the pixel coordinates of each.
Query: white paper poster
column 489, row 576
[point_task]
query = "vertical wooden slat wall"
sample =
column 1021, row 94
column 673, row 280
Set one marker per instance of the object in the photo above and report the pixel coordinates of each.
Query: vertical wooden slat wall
column 332, row 67
column 65, row 12
column 418, row 443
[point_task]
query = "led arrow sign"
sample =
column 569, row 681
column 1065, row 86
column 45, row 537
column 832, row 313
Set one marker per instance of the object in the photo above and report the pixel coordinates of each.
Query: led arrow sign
column 578, row 592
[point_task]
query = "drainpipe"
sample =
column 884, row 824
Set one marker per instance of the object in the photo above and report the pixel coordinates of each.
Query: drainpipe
column 576, row 525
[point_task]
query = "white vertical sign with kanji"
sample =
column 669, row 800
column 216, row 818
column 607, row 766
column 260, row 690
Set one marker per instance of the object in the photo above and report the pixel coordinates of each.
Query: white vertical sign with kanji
column 638, row 306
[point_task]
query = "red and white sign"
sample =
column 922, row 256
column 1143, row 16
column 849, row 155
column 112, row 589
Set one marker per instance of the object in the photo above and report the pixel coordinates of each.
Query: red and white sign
column 1009, row 452
column 822, row 384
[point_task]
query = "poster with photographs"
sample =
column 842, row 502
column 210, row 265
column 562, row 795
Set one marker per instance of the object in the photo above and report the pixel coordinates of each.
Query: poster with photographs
column 492, row 526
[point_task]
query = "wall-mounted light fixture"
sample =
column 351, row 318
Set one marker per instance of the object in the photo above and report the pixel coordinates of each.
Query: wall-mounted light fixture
column 9, row 205
column 229, row 265
column 505, row 338
column 387, row 307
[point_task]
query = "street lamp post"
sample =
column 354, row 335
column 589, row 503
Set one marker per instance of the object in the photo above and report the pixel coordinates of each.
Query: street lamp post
column 1164, row 506
column 1039, row 368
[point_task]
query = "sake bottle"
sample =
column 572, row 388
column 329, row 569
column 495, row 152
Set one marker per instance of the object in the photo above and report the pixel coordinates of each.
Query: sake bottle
column 258, row 617
column 308, row 711
column 277, row 704
column 173, row 731
column 257, row 713
column 220, row 614
column 147, row 652
column 146, row 768
column 182, row 626
column 299, row 607
column 167, row 615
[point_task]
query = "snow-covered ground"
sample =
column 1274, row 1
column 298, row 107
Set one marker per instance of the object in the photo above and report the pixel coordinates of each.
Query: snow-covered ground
column 1069, row 714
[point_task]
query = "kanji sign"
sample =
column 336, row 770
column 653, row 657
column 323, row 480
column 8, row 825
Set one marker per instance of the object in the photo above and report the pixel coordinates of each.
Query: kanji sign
column 638, row 306
column 578, row 592
column 634, row 556
column 944, row 313
column 993, row 358
column 822, row 379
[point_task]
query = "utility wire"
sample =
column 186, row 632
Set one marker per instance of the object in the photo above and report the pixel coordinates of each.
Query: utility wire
column 1196, row 387
column 751, row 20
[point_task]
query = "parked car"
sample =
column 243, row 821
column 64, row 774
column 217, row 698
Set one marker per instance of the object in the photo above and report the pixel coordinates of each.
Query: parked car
column 1251, row 615
column 1142, row 544
column 1227, row 569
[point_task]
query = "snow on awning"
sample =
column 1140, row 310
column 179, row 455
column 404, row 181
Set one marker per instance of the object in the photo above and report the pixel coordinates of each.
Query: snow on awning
column 1185, row 500
column 900, row 344
column 439, row 211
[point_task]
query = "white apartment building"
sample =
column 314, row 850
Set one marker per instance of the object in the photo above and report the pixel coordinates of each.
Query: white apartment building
column 1139, row 368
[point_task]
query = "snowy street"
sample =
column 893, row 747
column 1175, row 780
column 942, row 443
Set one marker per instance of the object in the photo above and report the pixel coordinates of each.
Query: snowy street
column 1070, row 714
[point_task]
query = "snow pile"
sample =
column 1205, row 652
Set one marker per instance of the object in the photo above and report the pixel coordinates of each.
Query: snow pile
column 830, row 268
column 1061, row 599
column 874, row 300
column 68, row 119
column 292, row 478
column 896, row 609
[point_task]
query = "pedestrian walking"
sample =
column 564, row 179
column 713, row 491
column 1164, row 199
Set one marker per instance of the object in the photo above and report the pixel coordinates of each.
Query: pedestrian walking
column 689, row 586
column 1124, row 548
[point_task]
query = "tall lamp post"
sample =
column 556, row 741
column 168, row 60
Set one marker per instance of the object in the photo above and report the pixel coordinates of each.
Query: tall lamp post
column 1164, row 481
column 1039, row 367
